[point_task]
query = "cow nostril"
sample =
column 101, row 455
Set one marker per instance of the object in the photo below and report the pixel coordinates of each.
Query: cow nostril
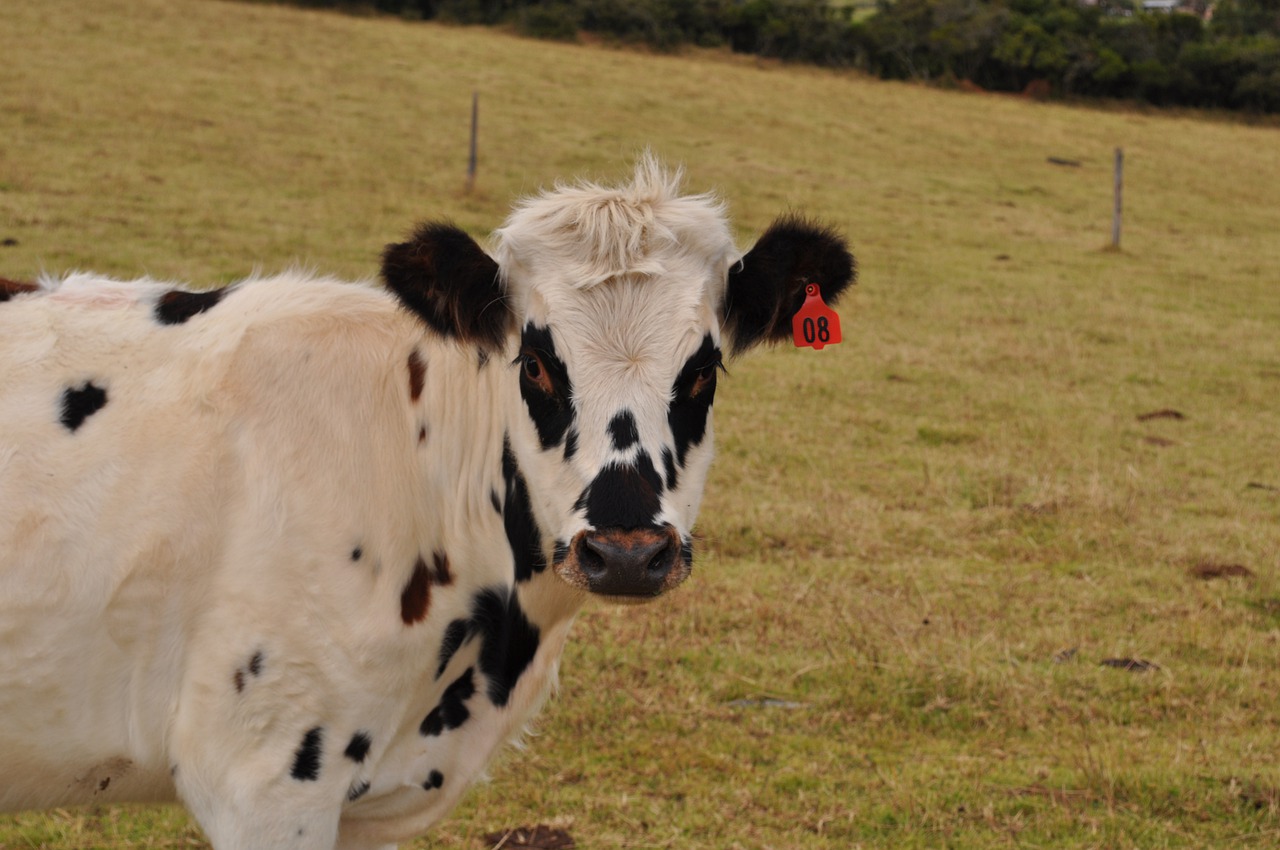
column 591, row 559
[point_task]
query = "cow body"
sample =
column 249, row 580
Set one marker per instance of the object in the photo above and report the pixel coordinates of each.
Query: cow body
column 304, row 553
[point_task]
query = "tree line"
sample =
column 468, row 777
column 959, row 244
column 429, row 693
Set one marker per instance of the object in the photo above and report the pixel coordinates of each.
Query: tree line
column 1223, row 54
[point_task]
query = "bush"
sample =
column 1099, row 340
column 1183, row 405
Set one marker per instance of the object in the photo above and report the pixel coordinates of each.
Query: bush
column 1111, row 49
column 799, row 30
column 554, row 21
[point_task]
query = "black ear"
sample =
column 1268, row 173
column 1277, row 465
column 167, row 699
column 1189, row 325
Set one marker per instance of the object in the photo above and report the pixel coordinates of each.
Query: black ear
column 448, row 280
column 766, row 287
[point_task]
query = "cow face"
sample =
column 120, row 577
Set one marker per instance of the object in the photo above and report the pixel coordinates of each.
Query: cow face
column 615, row 308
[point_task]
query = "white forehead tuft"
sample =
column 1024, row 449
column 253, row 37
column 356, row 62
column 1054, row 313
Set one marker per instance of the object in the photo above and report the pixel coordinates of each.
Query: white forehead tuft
column 584, row 234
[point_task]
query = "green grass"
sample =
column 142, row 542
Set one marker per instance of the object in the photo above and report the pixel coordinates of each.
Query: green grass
column 925, row 539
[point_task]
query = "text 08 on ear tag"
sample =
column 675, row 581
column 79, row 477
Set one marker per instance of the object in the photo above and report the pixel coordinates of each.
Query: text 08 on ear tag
column 815, row 325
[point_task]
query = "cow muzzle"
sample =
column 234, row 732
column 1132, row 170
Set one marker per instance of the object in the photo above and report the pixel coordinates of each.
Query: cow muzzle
column 626, row 565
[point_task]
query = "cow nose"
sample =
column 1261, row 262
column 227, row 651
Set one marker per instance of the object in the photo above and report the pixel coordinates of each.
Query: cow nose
column 634, row 562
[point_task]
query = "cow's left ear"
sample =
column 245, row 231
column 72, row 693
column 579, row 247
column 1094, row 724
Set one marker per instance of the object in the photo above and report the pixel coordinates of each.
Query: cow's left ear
column 444, row 277
column 766, row 287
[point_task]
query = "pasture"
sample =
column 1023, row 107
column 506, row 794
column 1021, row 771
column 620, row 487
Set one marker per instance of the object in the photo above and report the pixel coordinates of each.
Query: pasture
column 1029, row 456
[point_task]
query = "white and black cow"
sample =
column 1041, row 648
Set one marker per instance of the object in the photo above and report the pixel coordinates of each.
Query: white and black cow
column 304, row 553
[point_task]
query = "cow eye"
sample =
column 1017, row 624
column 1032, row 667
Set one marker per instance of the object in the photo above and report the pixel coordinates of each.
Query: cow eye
column 534, row 373
column 704, row 379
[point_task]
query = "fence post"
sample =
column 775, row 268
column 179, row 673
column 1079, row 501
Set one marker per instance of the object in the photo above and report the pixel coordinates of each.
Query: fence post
column 475, row 122
column 1119, row 186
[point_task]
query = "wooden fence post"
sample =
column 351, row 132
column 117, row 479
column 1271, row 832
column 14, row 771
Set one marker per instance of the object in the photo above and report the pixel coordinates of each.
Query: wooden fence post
column 1119, row 186
column 475, row 123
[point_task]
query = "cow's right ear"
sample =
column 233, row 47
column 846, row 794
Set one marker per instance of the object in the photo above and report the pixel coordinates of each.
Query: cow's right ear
column 445, row 278
column 767, row 286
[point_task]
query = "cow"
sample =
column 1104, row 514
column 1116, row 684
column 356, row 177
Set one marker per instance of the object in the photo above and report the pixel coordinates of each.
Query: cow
column 303, row 553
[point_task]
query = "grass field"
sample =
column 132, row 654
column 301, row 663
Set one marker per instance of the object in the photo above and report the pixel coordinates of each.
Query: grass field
column 920, row 544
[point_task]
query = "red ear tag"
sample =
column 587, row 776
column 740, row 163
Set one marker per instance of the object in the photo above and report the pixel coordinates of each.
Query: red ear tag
column 815, row 325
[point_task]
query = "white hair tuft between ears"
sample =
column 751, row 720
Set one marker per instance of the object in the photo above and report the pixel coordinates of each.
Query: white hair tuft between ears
column 599, row 232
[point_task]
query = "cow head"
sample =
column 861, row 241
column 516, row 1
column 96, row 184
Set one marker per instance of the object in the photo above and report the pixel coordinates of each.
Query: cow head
column 616, row 307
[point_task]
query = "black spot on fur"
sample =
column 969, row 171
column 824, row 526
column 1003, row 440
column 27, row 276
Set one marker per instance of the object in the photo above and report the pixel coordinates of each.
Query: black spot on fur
column 669, row 464
column 357, row 790
column 356, row 553
column 689, row 411
column 551, row 411
column 306, row 760
column 623, row 430
column 510, row 640
column 417, row 375
column 517, row 517
column 495, row 501
column 452, row 711
column 177, row 306
column 445, row 278
column 238, row 679
column 455, row 635
column 255, row 663
column 767, row 287
column 12, row 288
column 358, row 748
column 625, row 496
column 434, row 780
column 79, row 404
column 416, row 596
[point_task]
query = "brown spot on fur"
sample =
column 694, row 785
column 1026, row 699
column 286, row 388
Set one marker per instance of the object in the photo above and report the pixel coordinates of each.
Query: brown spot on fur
column 417, row 375
column 422, row 433
column 416, row 596
column 239, row 681
column 442, row 574
column 10, row 288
